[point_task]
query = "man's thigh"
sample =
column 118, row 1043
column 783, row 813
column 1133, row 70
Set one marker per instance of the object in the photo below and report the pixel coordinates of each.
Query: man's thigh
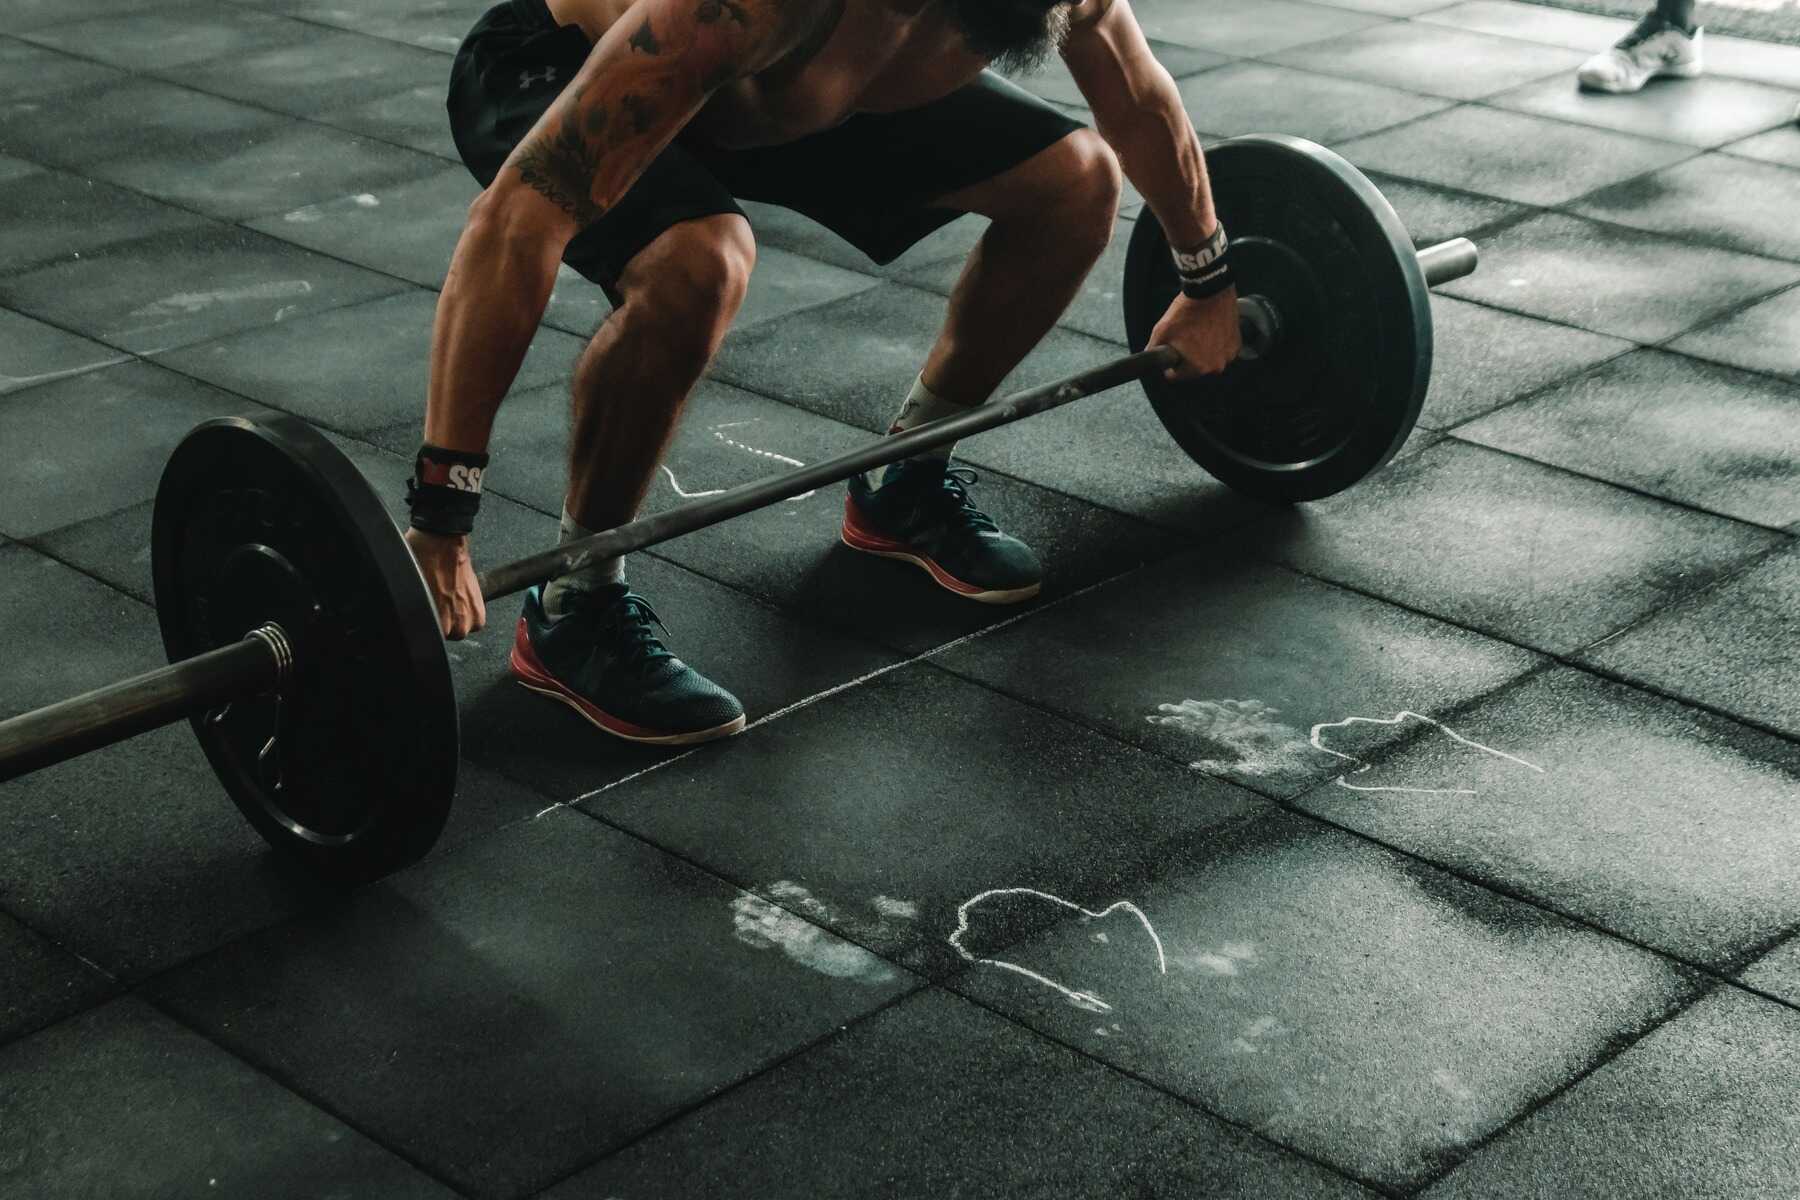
column 510, row 69
column 880, row 180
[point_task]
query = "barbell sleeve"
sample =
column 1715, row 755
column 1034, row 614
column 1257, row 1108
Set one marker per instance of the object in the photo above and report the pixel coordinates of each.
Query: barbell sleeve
column 1448, row 261
column 151, row 700
column 653, row 530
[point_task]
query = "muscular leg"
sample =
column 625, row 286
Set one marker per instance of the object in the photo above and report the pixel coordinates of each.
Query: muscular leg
column 680, row 295
column 1052, row 218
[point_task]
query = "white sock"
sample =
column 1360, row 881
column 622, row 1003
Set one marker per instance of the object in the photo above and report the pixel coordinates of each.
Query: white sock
column 922, row 407
column 560, row 593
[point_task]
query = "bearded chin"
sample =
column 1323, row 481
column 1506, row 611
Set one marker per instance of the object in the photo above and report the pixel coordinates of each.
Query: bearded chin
column 1017, row 36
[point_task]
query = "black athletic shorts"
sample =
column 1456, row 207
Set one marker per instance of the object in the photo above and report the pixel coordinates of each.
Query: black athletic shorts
column 870, row 180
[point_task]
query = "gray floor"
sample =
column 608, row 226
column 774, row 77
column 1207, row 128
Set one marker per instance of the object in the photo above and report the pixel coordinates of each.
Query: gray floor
column 1438, row 838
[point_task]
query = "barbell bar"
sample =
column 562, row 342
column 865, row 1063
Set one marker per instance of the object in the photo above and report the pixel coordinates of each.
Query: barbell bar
column 306, row 651
column 1441, row 263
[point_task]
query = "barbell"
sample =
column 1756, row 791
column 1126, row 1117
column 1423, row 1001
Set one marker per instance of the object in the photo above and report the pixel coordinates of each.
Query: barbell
column 306, row 651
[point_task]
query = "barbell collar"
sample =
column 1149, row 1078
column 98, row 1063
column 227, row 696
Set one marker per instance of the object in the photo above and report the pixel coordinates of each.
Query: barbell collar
column 650, row 531
column 258, row 664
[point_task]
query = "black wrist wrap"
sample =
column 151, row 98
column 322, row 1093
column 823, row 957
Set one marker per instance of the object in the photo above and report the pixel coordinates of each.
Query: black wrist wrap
column 1205, row 271
column 444, row 492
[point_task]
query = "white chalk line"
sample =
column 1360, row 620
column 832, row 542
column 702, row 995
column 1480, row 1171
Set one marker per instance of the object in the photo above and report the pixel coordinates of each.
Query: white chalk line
column 1397, row 719
column 189, row 303
column 828, row 693
column 12, row 383
column 1085, row 1000
column 685, row 495
column 784, row 459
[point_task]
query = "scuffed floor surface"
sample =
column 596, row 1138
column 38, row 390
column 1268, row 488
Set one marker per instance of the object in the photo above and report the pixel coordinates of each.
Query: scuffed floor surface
column 1441, row 838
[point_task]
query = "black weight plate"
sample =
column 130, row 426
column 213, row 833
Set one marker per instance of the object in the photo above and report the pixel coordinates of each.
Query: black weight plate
column 1341, row 390
column 353, row 767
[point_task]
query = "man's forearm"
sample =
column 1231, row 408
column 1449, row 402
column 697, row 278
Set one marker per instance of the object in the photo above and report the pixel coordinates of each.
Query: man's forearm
column 1161, row 155
column 493, row 299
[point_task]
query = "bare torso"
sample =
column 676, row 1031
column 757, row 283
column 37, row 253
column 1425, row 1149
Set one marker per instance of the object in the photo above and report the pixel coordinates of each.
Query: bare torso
column 867, row 56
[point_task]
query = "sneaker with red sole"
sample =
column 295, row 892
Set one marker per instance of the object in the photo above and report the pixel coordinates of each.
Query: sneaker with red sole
column 605, row 661
column 922, row 514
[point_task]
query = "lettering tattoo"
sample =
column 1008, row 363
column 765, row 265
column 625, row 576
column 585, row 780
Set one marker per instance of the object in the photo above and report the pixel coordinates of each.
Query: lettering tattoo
column 561, row 166
column 644, row 40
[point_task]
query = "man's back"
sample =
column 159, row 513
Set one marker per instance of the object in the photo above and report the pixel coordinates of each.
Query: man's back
column 854, row 56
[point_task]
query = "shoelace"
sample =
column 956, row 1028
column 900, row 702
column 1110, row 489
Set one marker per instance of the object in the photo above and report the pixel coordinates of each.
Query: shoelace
column 956, row 502
column 635, row 623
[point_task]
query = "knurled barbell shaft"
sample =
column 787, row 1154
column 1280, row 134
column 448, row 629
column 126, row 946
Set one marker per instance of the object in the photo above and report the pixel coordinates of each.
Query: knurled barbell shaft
column 650, row 531
column 1441, row 263
column 124, row 710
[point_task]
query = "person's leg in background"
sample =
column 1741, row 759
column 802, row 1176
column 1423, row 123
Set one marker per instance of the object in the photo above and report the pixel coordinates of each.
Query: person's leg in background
column 1666, row 43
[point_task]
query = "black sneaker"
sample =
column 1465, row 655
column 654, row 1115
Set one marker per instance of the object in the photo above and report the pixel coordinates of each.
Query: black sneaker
column 922, row 514
column 605, row 661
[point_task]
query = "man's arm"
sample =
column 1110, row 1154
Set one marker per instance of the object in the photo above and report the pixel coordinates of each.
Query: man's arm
column 1139, row 113
column 641, row 84
column 643, row 81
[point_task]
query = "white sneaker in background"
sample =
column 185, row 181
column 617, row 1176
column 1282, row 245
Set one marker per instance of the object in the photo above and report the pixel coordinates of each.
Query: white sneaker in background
column 1654, row 49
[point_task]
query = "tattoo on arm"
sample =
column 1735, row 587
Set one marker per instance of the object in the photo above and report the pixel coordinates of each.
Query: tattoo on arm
column 561, row 166
column 711, row 12
column 640, row 112
column 621, row 111
column 644, row 40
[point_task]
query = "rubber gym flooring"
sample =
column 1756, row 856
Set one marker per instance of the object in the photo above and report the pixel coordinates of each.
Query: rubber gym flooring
column 1439, row 838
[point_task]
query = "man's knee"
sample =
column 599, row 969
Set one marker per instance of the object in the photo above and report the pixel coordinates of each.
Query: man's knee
column 690, row 283
column 1086, row 182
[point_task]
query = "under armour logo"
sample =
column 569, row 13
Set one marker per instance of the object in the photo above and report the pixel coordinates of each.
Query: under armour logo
column 526, row 78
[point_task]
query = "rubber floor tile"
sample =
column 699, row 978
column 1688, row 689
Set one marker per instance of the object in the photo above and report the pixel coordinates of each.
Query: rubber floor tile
column 41, row 983
column 580, row 983
column 124, row 1102
column 1486, row 357
column 836, row 815
column 1704, row 1106
column 994, row 1110
column 1228, row 665
column 1525, row 159
column 1616, row 281
column 1734, row 647
column 70, row 470
column 187, row 286
column 1334, row 997
column 1523, row 551
column 1763, row 337
column 1709, row 436
column 1668, row 826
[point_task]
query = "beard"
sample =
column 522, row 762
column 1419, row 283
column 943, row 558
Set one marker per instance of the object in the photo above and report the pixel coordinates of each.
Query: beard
column 1017, row 36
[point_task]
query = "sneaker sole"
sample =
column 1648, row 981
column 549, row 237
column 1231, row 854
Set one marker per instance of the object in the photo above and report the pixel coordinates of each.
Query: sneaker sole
column 886, row 548
column 1626, row 88
column 533, row 677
